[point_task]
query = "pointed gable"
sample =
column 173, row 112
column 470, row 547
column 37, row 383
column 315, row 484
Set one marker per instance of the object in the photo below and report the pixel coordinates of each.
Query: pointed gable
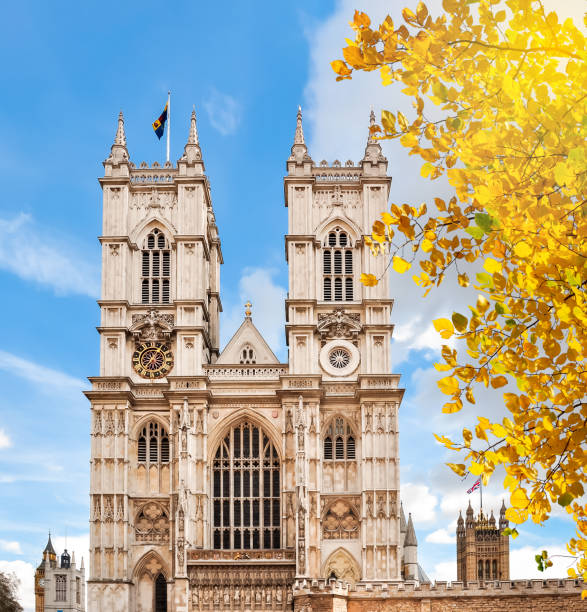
column 247, row 346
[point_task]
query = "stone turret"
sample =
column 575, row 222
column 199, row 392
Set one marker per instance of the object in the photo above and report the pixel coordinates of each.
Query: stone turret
column 190, row 163
column 59, row 586
column 410, row 552
column 118, row 153
column 482, row 550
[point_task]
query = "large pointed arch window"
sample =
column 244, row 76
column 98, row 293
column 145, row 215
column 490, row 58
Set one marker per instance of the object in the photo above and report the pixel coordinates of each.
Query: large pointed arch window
column 156, row 269
column 246, row 490
column 337, row 267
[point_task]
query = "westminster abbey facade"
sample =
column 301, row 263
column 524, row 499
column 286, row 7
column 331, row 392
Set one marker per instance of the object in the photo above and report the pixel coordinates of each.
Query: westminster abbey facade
column 226, row 480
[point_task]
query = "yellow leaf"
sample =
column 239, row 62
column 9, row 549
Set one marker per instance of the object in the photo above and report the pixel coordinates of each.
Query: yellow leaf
column 387, row 218
column 362, row 19
column 523, row 250
column 369, row 280
column 353, row 56
column 400, row 265
column 427, row 169
column 403, row 122
column 426, row 245
column 467, row 436
column 444, row 327
column 499, row 381
column 409, row 140
column 476, row 468
column 492, row 266
column 516, row 516
column 457, row 468
column 519, row 499
column 340, row 67
column 448, row 385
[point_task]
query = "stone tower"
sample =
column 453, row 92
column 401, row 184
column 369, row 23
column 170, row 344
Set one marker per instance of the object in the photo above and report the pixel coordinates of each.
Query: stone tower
column 59, row 585
column 482, row 552
column 339, row 335
column 223, row 481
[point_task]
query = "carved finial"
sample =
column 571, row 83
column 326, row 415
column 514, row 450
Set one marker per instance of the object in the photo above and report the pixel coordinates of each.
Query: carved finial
column 118, row 152
column 120, row 138
column 192, row 152
column 371, row 124
column 248, row 310
column 193, row 137
column 299, row 137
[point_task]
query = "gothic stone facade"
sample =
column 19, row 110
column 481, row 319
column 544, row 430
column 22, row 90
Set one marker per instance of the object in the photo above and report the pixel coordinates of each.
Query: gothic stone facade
column 233, row 481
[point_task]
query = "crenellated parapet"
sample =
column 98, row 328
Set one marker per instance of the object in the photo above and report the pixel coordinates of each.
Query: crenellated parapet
column 535, row 595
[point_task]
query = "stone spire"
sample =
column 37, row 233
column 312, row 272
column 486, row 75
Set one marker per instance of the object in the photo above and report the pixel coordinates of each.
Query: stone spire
column 119, row 152
column 503, row 522
column 299, row 150
column 410, row 539
column 373, row 152
column 192, row 154
column 370, row 137
column 299, row 136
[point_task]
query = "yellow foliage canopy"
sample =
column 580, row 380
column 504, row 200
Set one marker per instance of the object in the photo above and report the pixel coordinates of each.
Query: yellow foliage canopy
column 510, row 86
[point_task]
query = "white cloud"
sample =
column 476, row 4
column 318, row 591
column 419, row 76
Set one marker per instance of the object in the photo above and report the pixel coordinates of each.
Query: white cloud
column 419, row 501
column 80, row 545
column 36, row 373
column 441, row 536
column 267, row 297
column 12, row 547
column 445, row 570
column 24, row 572
column 224, row 112
column 5, row 441
column 45, row 258
column 523, row 564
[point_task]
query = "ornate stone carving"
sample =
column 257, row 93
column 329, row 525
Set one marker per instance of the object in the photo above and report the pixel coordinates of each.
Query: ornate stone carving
column 342, row 566
column 97, row 423
column 152, row 524
column 108, row 423
column 108, row 514
column 152, row 326
column 180, row 554
column 119, row 508
column 338, row 324
column 381, row 512
column 97, row 509
column 340, row 522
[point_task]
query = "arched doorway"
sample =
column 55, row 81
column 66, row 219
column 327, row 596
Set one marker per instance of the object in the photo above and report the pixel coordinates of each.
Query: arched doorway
column 160, row 594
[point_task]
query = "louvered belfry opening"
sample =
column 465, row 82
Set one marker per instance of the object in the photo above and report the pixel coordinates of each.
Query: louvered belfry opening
column 246, row 491
column 337, row 267
column 339, row 442
column 156, row 269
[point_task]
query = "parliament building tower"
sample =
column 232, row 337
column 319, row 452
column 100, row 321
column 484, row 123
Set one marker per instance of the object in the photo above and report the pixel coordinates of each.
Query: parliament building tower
column 231, row 481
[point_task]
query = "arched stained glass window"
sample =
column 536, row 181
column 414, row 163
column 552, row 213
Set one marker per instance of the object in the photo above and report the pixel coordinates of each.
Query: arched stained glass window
column 246, row 491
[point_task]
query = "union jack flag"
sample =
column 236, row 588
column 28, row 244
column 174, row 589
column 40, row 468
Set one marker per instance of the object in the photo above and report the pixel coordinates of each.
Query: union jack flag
column 475, row 486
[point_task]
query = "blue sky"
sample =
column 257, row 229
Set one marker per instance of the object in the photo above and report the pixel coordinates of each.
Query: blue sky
column 69, row 68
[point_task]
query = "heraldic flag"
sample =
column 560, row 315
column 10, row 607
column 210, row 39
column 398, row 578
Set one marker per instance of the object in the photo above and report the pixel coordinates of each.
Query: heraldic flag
column 159, row 124
column 475, row 486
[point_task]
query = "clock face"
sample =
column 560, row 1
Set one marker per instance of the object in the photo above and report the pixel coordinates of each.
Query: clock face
column 152, row 360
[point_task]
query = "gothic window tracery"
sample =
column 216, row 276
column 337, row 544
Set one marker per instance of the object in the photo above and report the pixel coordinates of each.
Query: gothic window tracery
column 339, row 437
column 246, row 490
column 60, row 588
column 153, row 444
column 155, row 269
column 337, row 267
column 248, row 355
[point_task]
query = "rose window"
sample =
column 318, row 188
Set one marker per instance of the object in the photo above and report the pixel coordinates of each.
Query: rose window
column 339, row 358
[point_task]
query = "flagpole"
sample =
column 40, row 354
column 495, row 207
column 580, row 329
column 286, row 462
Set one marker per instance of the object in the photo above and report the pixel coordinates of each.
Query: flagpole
column 168, row 120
